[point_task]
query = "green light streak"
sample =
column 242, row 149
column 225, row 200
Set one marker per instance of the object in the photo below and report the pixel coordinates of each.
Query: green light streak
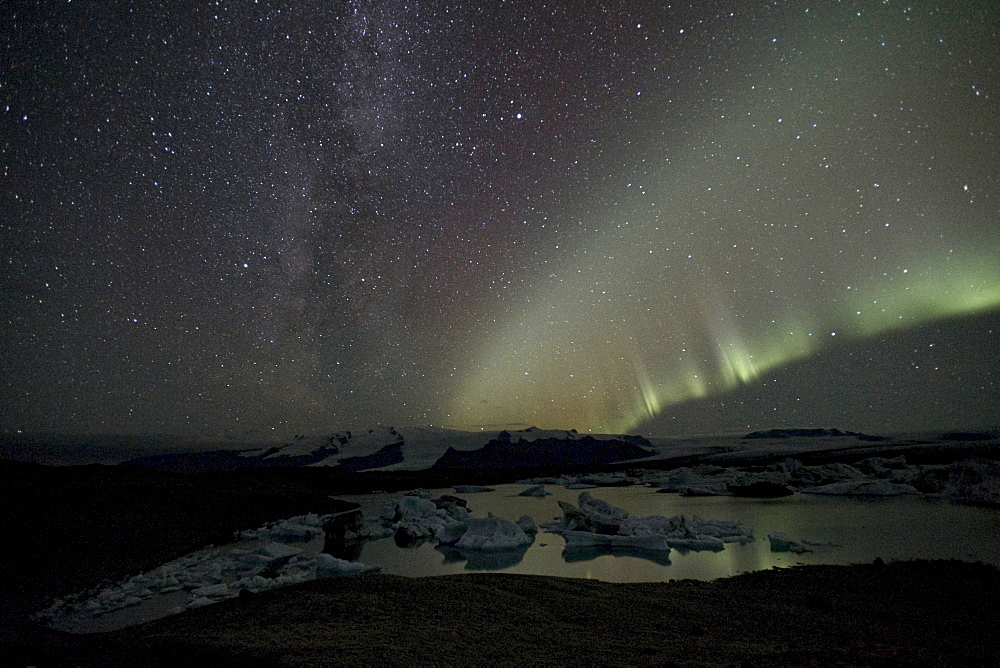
column 746, row 250
column 609, row 367
column 955, row 284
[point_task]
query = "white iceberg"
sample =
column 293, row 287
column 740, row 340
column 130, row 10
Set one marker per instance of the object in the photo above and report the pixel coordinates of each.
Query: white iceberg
column 597, row 522
column 418, row 518
column 328, row 566
column 492, row 533
column 414, row 509
column 208, row 576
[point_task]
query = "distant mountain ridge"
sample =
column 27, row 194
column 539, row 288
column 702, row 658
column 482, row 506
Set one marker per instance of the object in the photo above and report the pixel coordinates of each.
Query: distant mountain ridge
column 811, row 433
column 504, row 453
column 414, row 449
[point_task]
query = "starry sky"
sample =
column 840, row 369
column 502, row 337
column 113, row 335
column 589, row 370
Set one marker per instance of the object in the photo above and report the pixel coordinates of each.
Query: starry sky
column 263, row 217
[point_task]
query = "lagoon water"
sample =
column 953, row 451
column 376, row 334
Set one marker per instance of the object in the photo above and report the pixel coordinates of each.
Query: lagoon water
column 849, row 529
column 861, row 528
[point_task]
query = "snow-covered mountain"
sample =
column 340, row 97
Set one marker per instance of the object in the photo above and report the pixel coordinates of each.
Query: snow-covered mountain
column 389, row 448
column 423, row 448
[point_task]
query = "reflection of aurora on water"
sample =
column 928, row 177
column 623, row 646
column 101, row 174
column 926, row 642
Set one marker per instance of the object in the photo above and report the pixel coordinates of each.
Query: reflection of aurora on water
column 826, row 199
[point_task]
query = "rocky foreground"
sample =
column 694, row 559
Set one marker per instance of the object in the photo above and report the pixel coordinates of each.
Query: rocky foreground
column 911, row 613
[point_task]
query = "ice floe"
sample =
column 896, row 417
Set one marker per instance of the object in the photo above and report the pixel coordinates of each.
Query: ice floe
column 272, row 556
column 492, row 533
column 971, row 481
column 781, row 542
column 447, row 520
column 863, row 487
column 598, row 523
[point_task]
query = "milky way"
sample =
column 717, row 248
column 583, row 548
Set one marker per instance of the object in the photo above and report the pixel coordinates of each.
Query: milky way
column 261, row 218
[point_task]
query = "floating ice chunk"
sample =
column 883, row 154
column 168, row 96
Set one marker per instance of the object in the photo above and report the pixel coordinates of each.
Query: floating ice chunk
column 863, row 487
column 492, row 533
column 417, row 518
column 652, row 541
column 973, row 481
column 882, row 467
column 294, row 531
column 600, row 509
column 703, row 480
column 253, row 583
column 612, row 478
column 699, row 544
column 717, row 489
column 220, row 590
column 728, row 530
column 413, row 509
column 472, row 489
column 279, row 550
column 328, row 566
column 600, row 523
column 196, row 583
column 537, row 490
column 253, row 560
column 527, row 525
column 449, row 534
column 780, row 542
column 301, row 527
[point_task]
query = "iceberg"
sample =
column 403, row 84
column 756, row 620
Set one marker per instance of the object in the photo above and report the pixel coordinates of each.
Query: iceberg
column 472, row 489
column 527, row 525
column 492, row 533
column 208, row 576
column 650, row 541
column 780, row 542
column 597, row 523
column 329, row 566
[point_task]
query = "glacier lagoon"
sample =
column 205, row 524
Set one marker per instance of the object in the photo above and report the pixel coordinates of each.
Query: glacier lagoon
column 839, row 530
column 843, row 530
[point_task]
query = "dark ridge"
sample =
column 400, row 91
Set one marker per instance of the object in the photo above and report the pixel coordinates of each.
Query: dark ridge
column 228, row 460
column 796, row 433
column 502, row 454
column 966, row 436
column 384, row 456
column 812, row 433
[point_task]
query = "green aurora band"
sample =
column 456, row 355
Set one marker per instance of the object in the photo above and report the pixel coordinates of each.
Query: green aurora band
column 821, row 199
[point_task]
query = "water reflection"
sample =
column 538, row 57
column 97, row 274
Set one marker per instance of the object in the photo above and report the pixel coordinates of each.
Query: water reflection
column 483, row 560
column 572, row 555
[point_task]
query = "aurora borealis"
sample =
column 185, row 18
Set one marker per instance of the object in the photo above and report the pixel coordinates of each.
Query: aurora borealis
column 268, row 217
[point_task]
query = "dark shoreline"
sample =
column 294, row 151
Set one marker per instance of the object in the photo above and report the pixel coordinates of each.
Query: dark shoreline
column 905, row 613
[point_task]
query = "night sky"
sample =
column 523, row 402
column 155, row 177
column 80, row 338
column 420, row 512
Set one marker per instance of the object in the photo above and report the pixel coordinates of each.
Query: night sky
column 263, row 218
